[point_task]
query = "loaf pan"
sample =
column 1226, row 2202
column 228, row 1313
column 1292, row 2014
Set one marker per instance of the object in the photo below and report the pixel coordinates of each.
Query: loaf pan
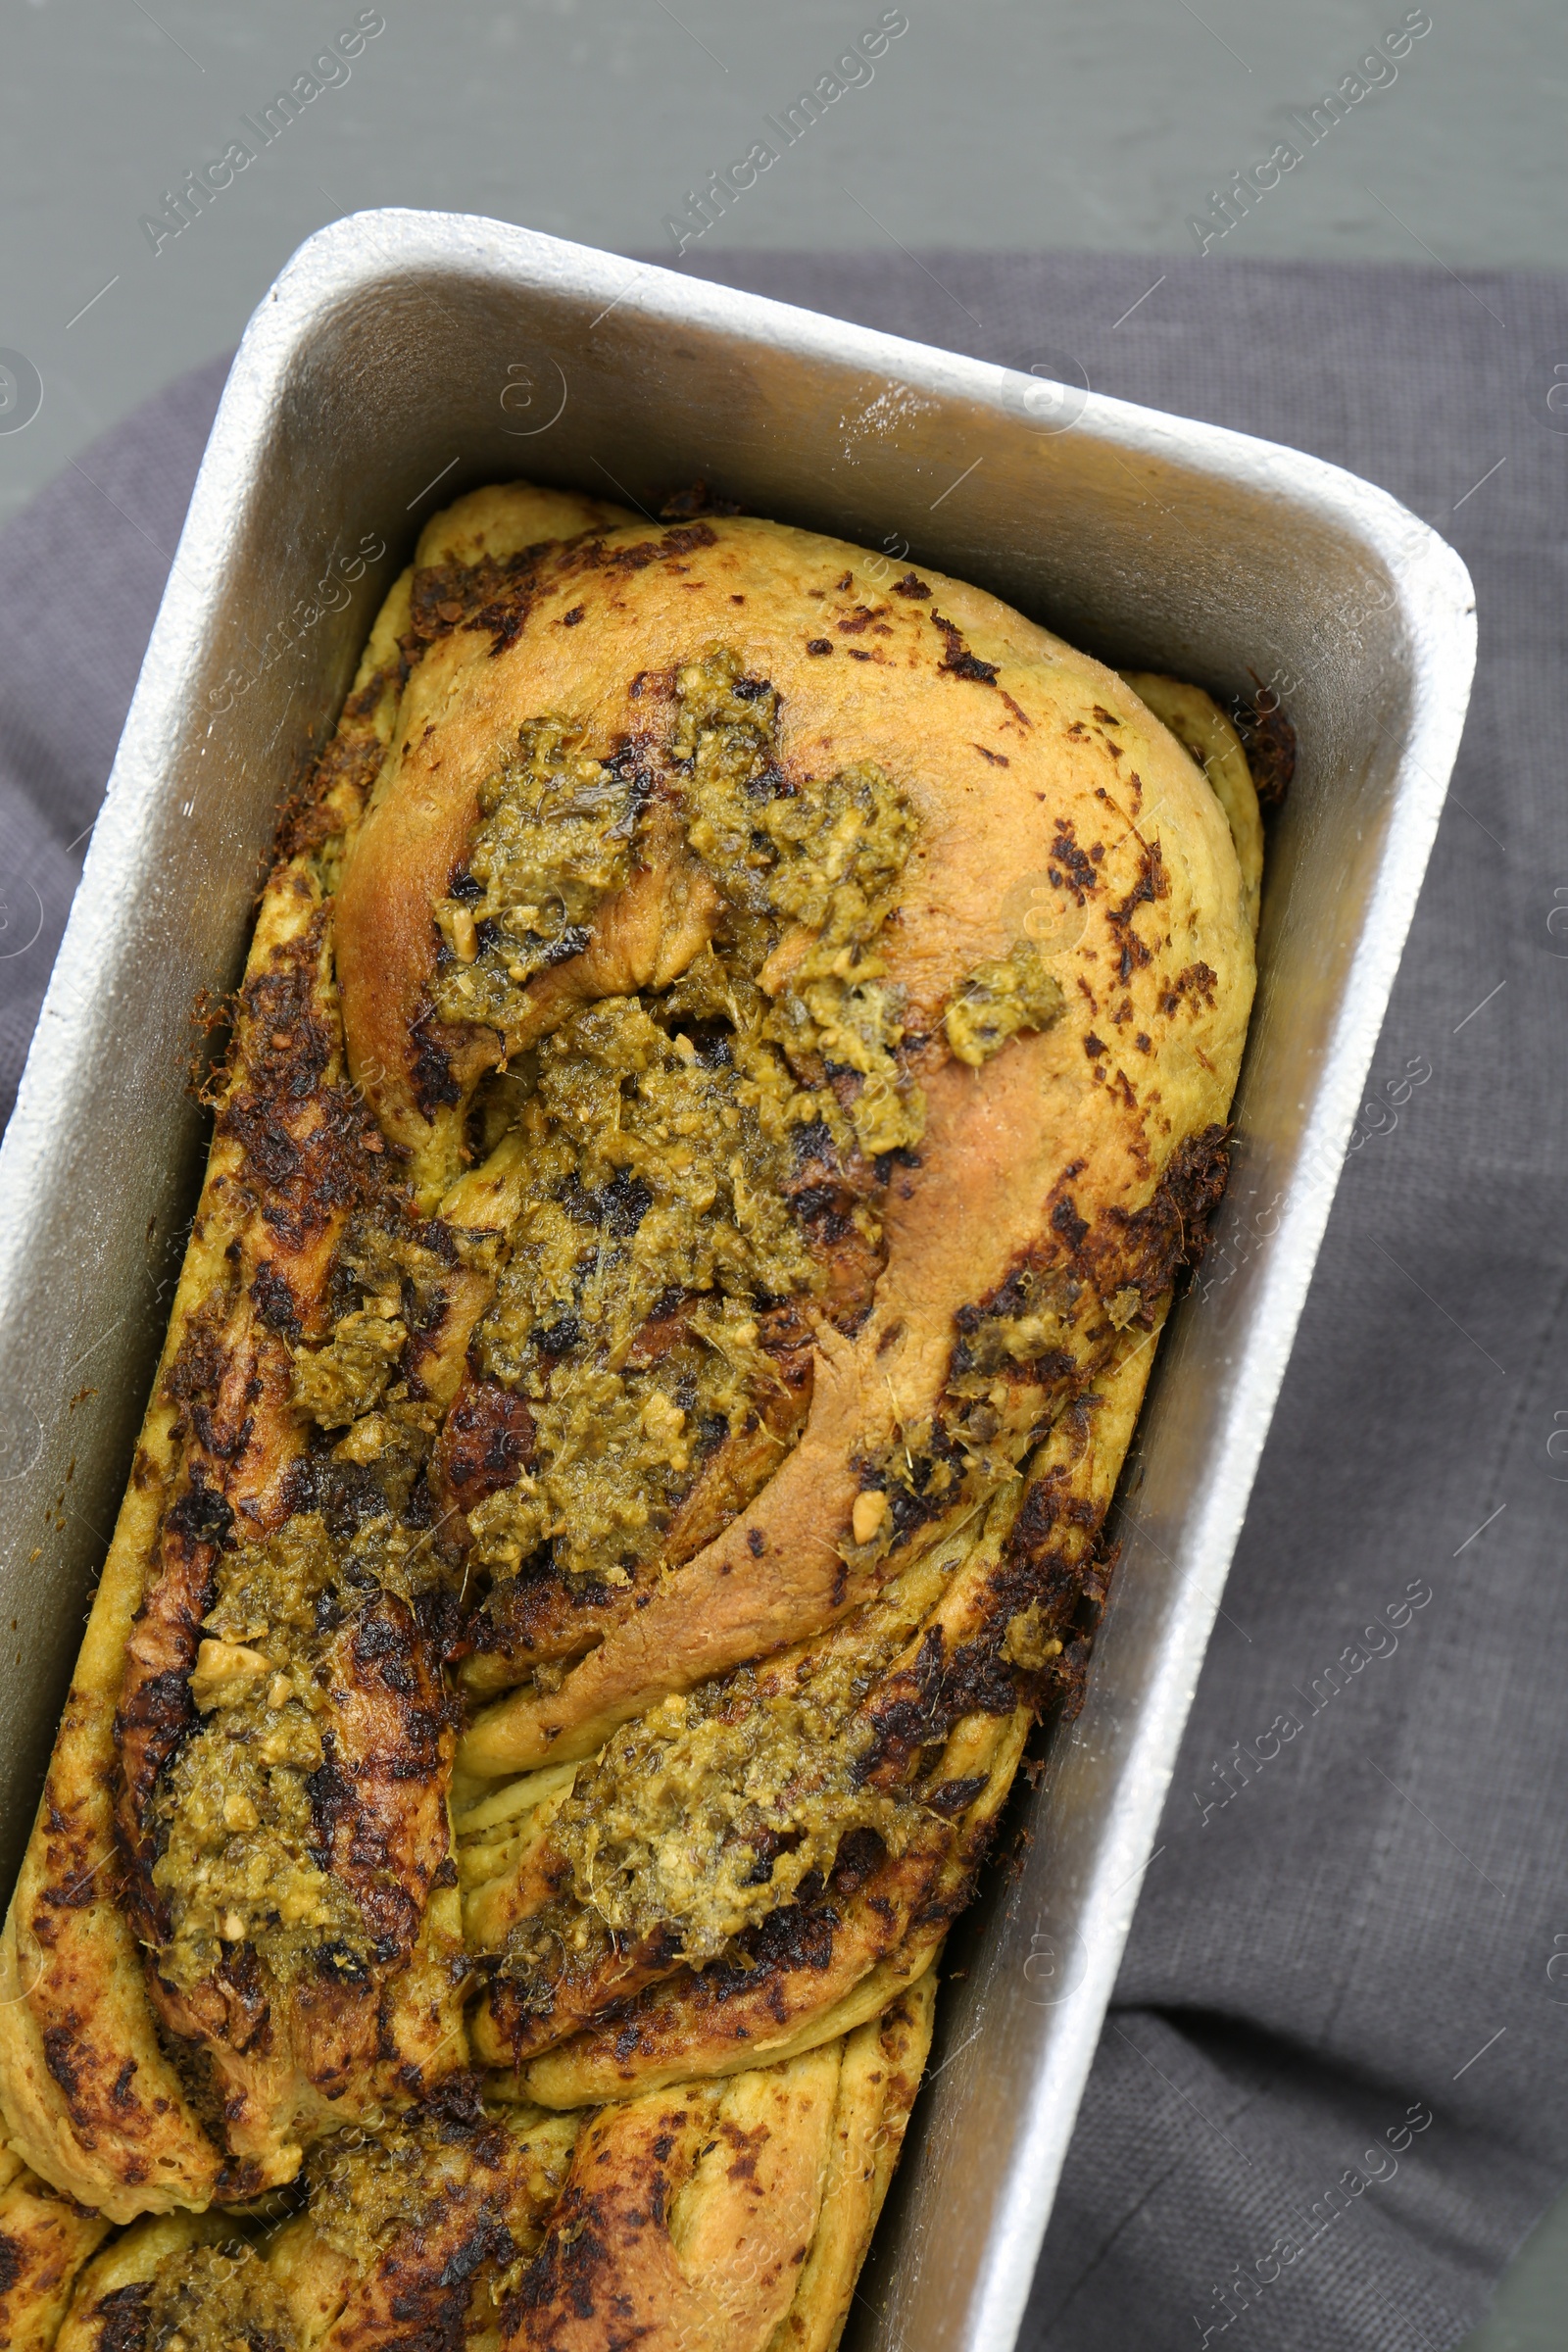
column 404, row 356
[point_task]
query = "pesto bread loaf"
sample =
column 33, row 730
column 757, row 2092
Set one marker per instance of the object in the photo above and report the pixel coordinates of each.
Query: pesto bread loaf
column 734, row 1054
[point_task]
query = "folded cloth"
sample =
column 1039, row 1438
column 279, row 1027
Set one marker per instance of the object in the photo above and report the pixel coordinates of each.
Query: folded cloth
column 1330, row 2097
column 81, row 570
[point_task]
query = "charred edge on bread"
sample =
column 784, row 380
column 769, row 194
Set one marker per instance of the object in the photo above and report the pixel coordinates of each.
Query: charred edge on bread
column 1070, row 867
column 1269, row 741
column 685, row 506
column 486, row 1440
column 957, row 661
column 592, row 555
column 495, row 596
column 430, row 1068
column 306, row 1144
column 353, row 756
column 120, row 2319
column 1153, row 882
column 1053, row 1563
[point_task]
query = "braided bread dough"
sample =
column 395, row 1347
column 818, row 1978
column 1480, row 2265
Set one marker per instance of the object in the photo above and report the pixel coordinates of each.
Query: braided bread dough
column 735, row 1049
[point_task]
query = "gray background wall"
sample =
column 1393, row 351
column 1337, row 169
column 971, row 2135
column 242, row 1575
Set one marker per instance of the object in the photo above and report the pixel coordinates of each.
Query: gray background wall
column 1097, row 124
column 1102, row 124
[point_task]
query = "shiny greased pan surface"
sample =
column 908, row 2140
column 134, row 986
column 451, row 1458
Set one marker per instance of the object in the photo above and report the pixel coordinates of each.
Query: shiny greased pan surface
column 394, row 349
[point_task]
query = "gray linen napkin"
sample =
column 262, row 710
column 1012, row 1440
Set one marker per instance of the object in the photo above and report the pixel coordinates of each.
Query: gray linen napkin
column 1331, row 2096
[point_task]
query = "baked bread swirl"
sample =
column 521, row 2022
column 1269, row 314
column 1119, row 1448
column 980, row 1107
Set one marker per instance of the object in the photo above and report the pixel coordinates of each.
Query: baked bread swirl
column 734, row 1054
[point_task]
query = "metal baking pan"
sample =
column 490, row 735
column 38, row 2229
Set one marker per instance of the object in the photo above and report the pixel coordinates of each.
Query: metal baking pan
column 404, row 356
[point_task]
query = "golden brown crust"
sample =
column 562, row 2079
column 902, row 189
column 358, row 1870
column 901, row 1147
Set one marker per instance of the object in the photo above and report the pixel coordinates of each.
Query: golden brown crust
column 86, row 2087
column 957, row 1694
column 1203, row 729
column 878, row 2077
column 43, row 2244
column 687, row 2218
column 985, row 1115
column 407, row 2240
column 109, row 2303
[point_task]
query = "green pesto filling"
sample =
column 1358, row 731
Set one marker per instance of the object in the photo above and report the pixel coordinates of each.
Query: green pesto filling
column 712, row 1810
column 664, row 1131
column 662, row 1137
column 554, row 838
column 217, row 2299
column 348, row 1376
column 996, row 999
column 367, row 2191
column 367, row 2188
column 655, row 1241
column 720, row 1804
column 821, row 855
column 826, row 854
column 387, row 1271
column 241, row 1862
